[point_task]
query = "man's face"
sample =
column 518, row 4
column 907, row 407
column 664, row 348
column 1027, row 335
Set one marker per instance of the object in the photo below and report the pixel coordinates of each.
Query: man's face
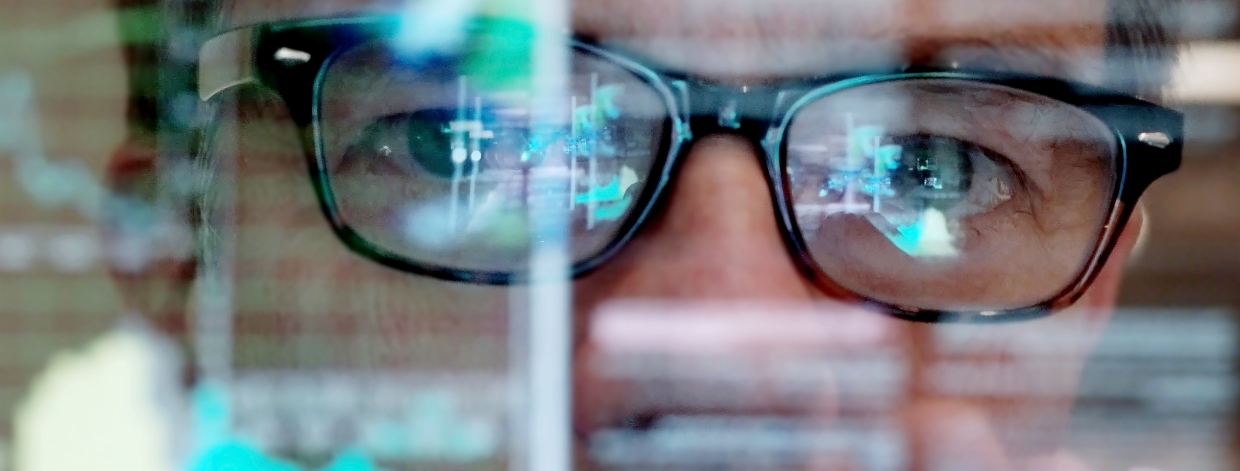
column 706, row 300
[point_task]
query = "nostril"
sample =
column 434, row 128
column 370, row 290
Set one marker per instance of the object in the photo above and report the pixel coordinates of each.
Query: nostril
column 734, row 384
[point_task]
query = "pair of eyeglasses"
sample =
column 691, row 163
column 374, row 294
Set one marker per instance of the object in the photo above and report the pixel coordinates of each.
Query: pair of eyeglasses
column 935, row 195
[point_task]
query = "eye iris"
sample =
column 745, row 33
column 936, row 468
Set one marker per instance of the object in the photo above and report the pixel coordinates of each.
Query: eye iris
column 429, row 144
column 935, row 172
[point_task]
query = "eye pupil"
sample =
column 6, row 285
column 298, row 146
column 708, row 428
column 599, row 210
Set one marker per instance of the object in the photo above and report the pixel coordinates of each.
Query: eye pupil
column 936, row 172
column 429, row 145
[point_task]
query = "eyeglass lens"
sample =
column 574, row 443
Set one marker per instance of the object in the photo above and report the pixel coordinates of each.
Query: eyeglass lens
column 949, row 194
column 444, row 167
column 932, row 193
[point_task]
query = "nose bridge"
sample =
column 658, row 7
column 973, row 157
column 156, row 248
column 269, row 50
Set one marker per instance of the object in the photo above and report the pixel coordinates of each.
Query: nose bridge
column 716, row 226
column 747, row 111
column 715, row 236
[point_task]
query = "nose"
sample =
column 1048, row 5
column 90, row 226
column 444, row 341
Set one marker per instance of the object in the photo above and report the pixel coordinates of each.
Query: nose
column 652, row 327
column 716, row 238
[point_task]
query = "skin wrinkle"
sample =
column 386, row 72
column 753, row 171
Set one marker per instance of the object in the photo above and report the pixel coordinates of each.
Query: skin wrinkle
column 937, row 284
column 1055, row 189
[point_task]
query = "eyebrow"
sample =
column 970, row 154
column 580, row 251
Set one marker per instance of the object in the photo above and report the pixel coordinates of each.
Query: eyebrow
column 1052, row 55
column 1142, row 46
column 1138, row 55
column 1069, row 53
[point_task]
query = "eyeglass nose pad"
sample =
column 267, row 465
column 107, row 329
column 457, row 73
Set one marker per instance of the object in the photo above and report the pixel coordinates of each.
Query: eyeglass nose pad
column 728, row 117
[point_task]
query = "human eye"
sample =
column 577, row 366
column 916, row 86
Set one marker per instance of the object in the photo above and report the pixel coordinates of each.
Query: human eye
column 956, row 177
column 407, row 144
column 922, row 189
column 401, row 171
column 439, row 143
column 949, row 194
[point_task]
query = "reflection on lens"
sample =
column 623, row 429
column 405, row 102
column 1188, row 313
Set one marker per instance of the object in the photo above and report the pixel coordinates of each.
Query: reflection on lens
column 949, row 194
column 444, row 167
column 935, row 170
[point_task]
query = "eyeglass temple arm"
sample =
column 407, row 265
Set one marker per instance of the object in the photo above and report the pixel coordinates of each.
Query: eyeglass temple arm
column 226, row 61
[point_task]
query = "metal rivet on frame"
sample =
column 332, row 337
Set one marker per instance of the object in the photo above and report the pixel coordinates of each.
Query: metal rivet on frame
column 1155, row 139
column 291, row 56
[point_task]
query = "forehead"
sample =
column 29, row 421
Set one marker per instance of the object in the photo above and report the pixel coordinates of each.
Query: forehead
column 747, row 39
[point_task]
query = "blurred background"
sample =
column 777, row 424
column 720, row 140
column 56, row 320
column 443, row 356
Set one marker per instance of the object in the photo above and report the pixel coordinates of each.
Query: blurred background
column 63, row 91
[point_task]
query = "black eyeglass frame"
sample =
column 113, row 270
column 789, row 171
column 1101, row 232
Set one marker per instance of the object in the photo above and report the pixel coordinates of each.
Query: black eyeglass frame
column 290, row 58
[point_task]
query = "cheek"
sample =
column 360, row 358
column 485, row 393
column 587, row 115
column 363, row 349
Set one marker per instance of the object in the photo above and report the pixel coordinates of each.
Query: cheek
column 304, row 300
column 1017, row 381
column 964, row 371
